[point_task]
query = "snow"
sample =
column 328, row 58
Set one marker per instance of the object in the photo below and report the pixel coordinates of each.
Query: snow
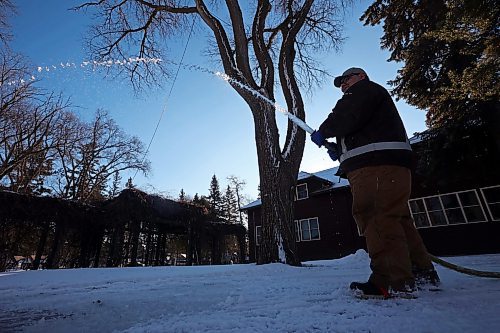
column 243, row 298
column 328, row 175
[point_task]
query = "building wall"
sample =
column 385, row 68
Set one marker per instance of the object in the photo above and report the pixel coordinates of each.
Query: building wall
column 338, row 232
column 339, row 235
column 477, row 238
column 461, row 222
column 253, row 221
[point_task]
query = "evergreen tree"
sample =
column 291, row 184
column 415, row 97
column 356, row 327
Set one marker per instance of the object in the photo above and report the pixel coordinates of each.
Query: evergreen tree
column 196, row 199
column 451, row 55
column 215, row 199
column 129, row 184
column 230, row 206
column 115, row 186
column 182, row 196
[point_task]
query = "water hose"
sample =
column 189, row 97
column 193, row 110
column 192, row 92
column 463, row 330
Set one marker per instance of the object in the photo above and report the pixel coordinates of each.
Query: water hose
column 464, row 270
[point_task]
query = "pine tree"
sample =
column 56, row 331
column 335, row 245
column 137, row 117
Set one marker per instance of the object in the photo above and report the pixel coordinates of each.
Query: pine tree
column 115, row 186
column 230, row 206
column 451, row 52
column 129, row 184
column 182, row 196
column 215, row 199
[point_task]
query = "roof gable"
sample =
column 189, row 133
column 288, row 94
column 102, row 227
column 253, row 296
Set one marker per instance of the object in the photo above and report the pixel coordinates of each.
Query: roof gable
column 327, row 174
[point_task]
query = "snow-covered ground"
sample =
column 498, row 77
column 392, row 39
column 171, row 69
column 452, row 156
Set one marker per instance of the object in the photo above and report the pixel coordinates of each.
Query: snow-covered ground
column 243, row 298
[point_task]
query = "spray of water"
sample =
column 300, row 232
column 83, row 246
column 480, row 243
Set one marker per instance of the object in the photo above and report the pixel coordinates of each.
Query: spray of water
column 257, row 94
column 94, row 65
column 137, row 60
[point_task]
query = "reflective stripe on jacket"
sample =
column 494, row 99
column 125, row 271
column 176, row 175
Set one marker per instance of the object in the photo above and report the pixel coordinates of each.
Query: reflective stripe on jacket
column 371, row 147
column 368, row 129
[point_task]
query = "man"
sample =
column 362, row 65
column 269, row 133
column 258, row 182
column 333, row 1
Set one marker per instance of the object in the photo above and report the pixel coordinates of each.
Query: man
column 376, row 156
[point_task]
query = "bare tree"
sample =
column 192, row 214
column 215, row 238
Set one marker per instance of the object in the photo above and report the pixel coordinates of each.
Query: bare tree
column 6, row 9
column 280, row 39
column 27, row 122
column 237, row 185
column 91, row 154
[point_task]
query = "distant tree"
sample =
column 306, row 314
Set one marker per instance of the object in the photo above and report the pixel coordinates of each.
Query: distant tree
column 230, row 205
column 215, row 199
column 280, row 43
column 114, row 190
column 28, row 122
column 237, row 186
column 202, row 202
column 129, row 184
column 182, row 196
column 6, row 11
column 99, row 149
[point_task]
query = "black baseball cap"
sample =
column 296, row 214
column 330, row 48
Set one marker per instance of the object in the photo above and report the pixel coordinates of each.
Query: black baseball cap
column 353, row 70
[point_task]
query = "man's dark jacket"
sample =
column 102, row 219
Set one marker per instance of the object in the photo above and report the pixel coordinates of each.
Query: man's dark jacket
column 366, row 114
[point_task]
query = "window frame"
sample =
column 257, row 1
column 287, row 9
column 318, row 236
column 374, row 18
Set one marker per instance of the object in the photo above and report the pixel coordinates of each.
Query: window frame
column 482, row 189
column 297, row 192
column 443, row 210
column 298, row 230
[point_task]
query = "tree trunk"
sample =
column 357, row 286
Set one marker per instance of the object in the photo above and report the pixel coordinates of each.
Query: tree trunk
column 115, row 255
column 190, row 242
column 147, row 258
column 98, row 246
column 41, row 245
column 242, row 248
column 135, row 230
column 277, row 184
column 53, row 257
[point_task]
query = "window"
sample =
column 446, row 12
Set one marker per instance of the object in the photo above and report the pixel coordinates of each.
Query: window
column 452, row 209
column 447, row 209
column 491, row 196
column 258, row 235
column 417, row 209
column 472, row 208
column 301, row 192
column 307, row 229
column 435, row 210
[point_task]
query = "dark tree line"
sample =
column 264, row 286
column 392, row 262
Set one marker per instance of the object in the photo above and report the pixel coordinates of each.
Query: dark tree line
column 221, row 205
column 132, row 229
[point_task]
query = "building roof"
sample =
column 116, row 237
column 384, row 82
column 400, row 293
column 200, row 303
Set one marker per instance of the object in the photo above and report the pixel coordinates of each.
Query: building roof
column 328, row 175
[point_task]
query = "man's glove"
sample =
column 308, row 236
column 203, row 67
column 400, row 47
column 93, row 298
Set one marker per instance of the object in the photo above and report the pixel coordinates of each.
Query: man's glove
column 317, row 138
column 333, row 151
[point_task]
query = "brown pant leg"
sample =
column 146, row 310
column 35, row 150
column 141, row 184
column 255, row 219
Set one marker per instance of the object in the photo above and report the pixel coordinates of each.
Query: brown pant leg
column 379, row 199
column 418, row 252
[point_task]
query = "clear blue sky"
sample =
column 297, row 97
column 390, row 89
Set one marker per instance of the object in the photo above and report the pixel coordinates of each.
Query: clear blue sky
column 206, row 129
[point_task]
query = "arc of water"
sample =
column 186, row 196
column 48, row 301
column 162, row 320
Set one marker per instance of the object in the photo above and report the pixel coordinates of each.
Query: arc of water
column 108, row 63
